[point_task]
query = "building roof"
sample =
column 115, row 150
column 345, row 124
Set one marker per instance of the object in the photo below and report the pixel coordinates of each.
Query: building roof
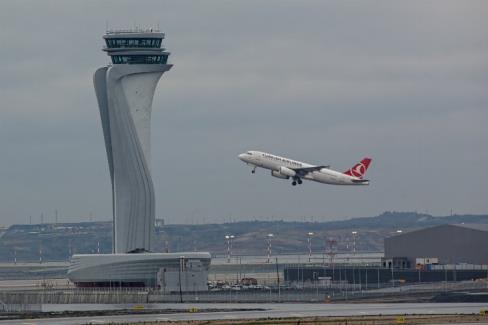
column 471, row 226
column 475, row 226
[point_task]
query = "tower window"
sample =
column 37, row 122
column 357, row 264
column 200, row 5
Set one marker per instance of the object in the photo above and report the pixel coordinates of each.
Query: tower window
column 140, row 59
column 133, row 42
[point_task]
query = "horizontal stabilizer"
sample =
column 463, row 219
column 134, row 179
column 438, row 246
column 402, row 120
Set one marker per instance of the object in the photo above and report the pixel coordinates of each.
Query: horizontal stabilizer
column 360, row 181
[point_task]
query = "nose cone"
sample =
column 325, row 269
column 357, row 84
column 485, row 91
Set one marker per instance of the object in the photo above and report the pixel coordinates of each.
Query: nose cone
column 241, row 156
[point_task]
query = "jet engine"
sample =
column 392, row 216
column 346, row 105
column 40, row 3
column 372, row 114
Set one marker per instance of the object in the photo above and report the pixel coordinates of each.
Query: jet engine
column 277, row 174
column 287, row 171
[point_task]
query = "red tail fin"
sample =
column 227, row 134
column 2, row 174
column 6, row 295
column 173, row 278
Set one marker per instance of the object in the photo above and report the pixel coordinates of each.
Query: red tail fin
column 359, row 169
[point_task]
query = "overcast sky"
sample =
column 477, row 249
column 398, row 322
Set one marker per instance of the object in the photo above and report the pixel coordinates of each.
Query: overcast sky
column 326, row 82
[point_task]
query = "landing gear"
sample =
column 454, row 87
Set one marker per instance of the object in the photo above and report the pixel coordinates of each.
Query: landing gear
column 253, row 170
column 296, row 180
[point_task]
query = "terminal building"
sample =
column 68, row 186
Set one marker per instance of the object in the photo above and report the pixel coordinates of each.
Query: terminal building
column 125, row 90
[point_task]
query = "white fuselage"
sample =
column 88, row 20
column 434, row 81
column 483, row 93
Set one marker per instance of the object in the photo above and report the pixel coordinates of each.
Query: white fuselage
column 275, row 164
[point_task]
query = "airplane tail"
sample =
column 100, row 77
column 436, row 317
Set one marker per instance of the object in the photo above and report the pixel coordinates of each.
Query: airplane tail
column 359, row 169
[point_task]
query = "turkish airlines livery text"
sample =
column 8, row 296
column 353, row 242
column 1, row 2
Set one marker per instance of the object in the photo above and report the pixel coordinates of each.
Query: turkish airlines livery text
column 285, row 168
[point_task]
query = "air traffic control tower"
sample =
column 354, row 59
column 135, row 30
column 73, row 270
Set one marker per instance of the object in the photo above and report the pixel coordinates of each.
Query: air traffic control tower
column 125, row 91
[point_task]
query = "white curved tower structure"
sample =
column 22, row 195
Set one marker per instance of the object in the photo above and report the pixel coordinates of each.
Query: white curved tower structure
column 125, row 91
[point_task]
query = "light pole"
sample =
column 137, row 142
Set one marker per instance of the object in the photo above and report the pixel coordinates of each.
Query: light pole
column 309, row 238
column 268, row 239
column 332, row 245
column 180, row 269
column 229, row 246
column 354, row 237
column 70, row 250
column 396, row 232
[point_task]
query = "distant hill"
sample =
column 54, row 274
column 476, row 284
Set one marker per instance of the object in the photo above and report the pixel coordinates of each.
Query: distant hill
column 405, row 220
column 58, row 241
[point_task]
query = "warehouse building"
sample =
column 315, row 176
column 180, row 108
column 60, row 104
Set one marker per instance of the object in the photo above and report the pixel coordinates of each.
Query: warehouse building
column 447, row 244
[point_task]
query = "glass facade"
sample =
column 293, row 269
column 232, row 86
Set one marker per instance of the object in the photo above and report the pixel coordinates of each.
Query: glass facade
column 133, row 42
column 140, row 59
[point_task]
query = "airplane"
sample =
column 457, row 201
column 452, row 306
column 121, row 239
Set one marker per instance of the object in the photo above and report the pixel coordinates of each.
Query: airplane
column 286, row 168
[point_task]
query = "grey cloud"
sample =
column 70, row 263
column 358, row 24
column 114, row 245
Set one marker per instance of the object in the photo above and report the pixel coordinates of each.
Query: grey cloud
column 325, row 82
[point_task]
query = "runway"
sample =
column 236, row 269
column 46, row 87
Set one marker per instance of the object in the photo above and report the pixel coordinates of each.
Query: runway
column 271, row 310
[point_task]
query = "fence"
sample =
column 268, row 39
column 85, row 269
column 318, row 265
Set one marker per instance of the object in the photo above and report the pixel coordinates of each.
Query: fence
column 281, row 294
column 375, row 276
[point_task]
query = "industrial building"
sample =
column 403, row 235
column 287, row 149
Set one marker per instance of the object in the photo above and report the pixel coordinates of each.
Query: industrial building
column 446, row 244
column 457, row 252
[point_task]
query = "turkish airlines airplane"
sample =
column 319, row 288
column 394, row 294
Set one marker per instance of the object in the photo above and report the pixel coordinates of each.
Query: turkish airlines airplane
column 285, row 168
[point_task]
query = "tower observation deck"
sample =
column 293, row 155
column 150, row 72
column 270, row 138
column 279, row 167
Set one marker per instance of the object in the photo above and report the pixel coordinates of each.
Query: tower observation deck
column 135, row 47
column 125, row 91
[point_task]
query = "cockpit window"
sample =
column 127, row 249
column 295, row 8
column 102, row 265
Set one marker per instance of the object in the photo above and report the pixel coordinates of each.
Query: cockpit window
column 249, row 153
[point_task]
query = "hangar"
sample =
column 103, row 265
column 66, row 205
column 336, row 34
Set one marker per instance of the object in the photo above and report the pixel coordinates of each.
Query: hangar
column 450, row 243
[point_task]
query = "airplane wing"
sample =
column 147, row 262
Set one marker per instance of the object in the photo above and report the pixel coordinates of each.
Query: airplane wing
column 305, row 170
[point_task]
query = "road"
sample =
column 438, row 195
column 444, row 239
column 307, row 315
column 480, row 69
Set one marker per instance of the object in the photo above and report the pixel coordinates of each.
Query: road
column 271, row 310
